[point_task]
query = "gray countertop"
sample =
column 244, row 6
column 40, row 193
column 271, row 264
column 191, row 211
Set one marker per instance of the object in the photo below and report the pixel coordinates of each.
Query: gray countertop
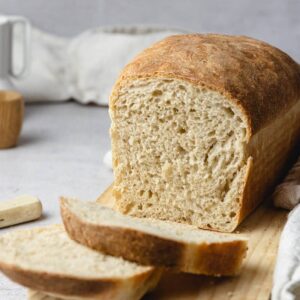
column 60, row 153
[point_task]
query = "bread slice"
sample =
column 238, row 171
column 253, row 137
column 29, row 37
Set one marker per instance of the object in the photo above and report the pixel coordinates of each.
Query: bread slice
column 202, row 128
column 47, row 260
column 153, row 242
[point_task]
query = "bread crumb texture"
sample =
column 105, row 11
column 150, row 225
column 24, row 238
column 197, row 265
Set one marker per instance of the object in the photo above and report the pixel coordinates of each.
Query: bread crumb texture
column 50, row 250
column 174, row 143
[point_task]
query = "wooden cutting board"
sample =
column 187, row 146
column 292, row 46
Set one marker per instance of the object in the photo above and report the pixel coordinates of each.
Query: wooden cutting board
column 263, row 227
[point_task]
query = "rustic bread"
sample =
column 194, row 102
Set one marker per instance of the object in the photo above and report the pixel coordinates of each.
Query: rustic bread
column 153, row 242
column 47, row 260
column 202, row 126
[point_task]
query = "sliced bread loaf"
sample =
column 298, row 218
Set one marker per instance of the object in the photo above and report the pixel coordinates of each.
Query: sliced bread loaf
column 47, row 260
column 153, row 242
column 202, row 127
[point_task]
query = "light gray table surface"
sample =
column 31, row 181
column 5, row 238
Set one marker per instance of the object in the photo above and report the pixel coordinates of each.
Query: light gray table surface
column 60, row 152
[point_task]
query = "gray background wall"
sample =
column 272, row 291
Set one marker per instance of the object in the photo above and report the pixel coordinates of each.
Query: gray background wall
column 275, row 21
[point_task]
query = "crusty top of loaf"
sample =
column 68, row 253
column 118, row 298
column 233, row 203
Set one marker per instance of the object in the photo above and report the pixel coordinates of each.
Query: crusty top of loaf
column 260, row 78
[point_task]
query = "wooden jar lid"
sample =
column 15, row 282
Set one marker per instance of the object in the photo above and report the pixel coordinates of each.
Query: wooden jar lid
column 11, row 118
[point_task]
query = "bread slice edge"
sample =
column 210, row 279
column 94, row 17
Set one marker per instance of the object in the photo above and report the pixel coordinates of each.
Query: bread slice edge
column 216, row 258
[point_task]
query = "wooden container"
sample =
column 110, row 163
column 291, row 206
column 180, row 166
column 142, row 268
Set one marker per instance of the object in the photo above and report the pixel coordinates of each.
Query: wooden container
column 11, row 118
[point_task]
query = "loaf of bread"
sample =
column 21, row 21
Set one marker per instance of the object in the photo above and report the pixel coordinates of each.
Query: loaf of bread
column 202, row 127
column 48, row 261
column 181, row 247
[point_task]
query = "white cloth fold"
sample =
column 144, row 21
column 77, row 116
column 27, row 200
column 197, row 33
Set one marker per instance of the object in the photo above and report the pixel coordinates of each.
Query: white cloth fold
column 83, row 68
column 286, row 285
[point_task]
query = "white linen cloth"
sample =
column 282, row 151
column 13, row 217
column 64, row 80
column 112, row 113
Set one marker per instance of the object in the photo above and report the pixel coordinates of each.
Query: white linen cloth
column 286, row 284
column 84, row 67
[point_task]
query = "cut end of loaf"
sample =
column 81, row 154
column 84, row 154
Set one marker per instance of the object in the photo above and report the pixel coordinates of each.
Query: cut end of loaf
column 153, row 242
column 178, row 153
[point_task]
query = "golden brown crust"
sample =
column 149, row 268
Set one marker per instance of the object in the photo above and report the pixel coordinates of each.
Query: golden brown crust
column 108, row 289
column 224, row 258
column 54, row 283
column 260, row 78
column 132, row 245
column 219, row 259
column 272, row 151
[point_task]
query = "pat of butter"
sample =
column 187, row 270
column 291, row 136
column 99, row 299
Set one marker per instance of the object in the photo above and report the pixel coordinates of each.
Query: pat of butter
column 19, row 210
